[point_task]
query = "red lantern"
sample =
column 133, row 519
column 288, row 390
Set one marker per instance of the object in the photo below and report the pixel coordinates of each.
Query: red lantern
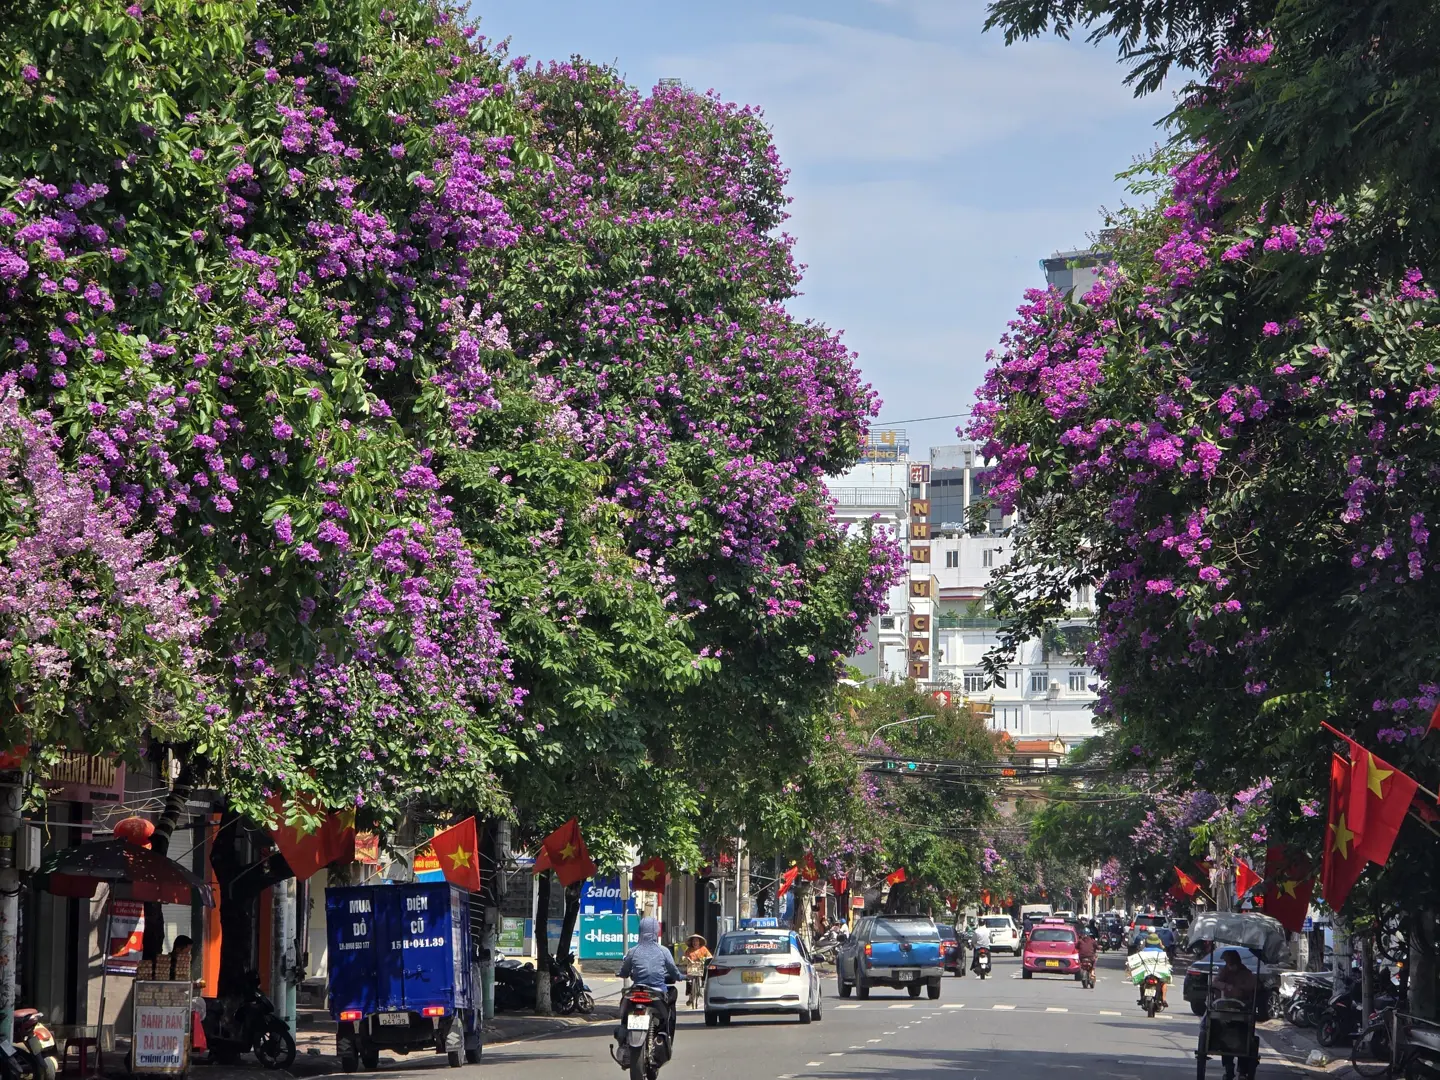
column 135, row 830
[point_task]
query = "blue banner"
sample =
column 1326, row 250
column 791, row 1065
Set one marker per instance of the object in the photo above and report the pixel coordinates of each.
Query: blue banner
column 602, row 937
column 601, row 896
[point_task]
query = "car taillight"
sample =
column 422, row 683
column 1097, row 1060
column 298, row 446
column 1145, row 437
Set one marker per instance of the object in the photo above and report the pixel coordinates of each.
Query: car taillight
column 868, row 951
column 351, row 1014
column 788, row 969
column 433, row 1010
column 716, row 970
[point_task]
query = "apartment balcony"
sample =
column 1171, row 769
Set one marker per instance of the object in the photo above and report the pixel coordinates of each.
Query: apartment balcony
column 889, row 499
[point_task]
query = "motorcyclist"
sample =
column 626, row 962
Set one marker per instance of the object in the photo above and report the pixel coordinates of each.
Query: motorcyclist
column 1085, row 948
column 649, row 964
column 1152, row 944
column 982, row 941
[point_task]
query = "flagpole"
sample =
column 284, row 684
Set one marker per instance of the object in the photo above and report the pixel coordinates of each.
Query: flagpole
column 1352, row 742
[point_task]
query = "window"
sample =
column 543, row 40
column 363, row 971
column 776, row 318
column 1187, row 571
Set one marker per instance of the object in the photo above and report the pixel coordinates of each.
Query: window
column 987, row 558
column 952, row 559
column 1084, row 595
column 1039, row 682
column 887, row 622
column 975, row 682
column 1077, row 682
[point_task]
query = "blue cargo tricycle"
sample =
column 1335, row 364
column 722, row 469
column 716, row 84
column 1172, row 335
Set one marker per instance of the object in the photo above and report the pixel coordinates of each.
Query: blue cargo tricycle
column 403, row 972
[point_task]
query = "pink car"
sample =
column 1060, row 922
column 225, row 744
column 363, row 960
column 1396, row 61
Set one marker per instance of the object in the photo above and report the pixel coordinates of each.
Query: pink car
column 1050, row 950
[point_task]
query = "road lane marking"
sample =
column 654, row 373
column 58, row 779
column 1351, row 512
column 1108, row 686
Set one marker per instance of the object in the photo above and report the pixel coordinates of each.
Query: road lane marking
column 1053, row 1009
column 1110, row 1012
column 812, row 1064
column 959, row 1006
column 872, row 1040
column 847, row 1006
column 905, row 1006
column 1003, row 1008
column 838, row 1053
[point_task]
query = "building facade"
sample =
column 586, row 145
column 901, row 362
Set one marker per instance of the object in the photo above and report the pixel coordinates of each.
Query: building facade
column 937, row 627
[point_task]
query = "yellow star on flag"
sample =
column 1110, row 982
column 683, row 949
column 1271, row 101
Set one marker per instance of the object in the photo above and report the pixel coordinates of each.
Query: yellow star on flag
column 568, row 851
column 650, row 873
column 459, row 857
column 1287, row 887
column 1343, row 838
column 1375, row 776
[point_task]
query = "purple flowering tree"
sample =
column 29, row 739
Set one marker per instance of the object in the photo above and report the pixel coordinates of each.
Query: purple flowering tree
column 99, row 636
column 1232, row 434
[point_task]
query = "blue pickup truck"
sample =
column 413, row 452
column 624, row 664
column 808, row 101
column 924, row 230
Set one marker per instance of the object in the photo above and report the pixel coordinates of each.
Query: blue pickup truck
column 403, row 972
column 901, row 951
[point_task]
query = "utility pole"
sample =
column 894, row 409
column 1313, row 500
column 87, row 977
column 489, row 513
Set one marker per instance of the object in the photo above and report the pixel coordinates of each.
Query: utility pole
column 10, row 796
column 282, row 967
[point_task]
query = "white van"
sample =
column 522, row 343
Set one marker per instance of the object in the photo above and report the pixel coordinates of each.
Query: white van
column 1003, row 934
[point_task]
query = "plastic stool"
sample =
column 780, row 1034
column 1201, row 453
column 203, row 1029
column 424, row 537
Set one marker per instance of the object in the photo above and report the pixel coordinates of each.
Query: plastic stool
column 82, row 1046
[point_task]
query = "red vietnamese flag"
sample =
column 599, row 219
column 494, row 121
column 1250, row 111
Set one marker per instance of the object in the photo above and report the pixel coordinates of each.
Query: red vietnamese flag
column 564, row 852
column 807, row 868
column 458, row 849
column 1245, row 879
column 652, row 875
column 1289, row 881
column 1380, row 797
column 787, row 881
column 895, row 877
column 839, row 884
column 1435, row 719
column 1188, row 885
column 1343, row 864
column 306, row 852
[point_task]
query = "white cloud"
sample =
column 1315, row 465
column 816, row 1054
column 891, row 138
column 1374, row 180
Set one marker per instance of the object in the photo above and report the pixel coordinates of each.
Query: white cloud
column 842, row 93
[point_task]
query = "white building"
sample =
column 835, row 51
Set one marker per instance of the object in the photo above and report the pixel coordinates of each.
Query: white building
column 878, row 491
column 937, row 627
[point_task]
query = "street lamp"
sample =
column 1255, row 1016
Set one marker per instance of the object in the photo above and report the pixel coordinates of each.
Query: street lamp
column 875, row 735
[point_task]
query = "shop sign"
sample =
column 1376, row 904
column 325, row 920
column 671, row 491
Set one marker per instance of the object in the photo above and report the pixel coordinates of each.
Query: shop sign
column 603, row 937
column 83, row 778
column 161, row 1016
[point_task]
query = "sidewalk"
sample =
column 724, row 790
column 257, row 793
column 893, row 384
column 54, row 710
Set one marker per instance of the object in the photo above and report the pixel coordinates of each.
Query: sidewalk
column 315, row 1039
column 1294, row 1045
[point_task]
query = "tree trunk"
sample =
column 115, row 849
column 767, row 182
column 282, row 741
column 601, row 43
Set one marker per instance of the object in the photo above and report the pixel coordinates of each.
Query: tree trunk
column 743, row 884
column 571, row 917
column 1422, row 966
column 1317, row 950
column 154, row 942
column 542, row 947
column 240, row 885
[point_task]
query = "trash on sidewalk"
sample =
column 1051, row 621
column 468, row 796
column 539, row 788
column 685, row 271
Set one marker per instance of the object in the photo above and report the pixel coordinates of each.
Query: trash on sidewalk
column 1318, row 1059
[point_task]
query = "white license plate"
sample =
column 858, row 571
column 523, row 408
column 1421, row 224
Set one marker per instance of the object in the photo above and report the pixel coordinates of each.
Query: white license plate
column 752, row 976
column 638, row 1022
column 1148, row 992
column 907, row 976
column 395, row 1019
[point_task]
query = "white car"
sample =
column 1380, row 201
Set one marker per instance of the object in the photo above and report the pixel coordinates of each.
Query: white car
column 761, row 971
column 1003, row 934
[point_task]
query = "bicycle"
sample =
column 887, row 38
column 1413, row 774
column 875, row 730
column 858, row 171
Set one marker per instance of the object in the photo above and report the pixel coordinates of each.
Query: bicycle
column 1373, row 1053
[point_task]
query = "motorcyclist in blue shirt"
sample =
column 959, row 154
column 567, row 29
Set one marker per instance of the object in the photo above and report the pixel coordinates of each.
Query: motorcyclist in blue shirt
column 649, row 964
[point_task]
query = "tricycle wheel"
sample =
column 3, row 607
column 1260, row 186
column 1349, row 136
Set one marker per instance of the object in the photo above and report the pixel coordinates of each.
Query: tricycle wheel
column 370, row 1057
column 454, row 1058
column 349, row 1062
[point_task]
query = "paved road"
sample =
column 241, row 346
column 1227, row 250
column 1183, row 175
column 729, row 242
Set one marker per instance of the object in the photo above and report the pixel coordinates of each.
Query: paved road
column 1005, row 1028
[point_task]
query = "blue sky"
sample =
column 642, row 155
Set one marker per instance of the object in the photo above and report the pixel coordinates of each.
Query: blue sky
column 931, row 167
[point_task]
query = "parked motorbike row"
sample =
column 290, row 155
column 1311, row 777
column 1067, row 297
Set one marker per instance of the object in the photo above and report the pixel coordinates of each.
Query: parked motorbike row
column 1387, row 1042
column 515, row 987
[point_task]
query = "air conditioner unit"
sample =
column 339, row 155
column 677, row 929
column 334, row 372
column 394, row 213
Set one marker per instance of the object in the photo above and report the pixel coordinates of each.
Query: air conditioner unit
column 1054, row 692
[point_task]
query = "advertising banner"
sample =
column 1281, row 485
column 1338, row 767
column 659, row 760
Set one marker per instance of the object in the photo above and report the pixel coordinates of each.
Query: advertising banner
column 126, row 937
column 162, row 1027
column 601, row 896
column 602, row 937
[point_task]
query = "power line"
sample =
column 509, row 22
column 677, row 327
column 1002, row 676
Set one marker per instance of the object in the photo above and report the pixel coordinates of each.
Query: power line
column 923, row 419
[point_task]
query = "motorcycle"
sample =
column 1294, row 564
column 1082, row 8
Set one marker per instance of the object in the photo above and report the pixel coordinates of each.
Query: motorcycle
column 981, row 963
column 1305, row 1003
column 1150, row 999
column 1087, row 972
column 35, row 1056
column 828, row 943
column 568, row 992
column 642, row 1041
column 251, row 1025
column 1341, row 1020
